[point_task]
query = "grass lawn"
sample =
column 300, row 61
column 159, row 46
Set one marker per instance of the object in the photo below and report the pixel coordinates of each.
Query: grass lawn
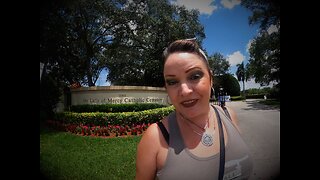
column 271, row 102
column 67, row 156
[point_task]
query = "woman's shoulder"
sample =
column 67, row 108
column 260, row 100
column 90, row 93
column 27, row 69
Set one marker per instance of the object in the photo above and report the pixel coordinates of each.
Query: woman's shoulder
column 149, row 143
column 153, row 133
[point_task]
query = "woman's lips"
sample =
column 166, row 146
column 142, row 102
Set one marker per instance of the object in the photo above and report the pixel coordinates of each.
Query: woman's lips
column 189, row 103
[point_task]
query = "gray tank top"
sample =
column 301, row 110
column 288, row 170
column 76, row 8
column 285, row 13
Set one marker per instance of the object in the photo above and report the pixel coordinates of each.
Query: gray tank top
column 182, row 164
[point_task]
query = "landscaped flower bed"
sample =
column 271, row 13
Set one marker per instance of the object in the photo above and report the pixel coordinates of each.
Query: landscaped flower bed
column 108, row 124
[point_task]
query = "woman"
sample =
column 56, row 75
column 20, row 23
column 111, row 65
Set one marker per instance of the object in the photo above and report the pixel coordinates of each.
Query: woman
column 190, row 143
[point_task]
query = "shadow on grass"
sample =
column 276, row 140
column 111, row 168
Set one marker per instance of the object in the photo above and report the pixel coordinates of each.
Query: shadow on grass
column 258, row 104
column 45, row 129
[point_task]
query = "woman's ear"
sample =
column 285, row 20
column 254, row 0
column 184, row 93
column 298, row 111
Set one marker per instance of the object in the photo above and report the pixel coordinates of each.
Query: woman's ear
column 212, row 96
column 211, row 75
column 169, row 100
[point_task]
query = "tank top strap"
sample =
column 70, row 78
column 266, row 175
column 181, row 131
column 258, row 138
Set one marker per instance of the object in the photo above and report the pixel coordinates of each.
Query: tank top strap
column 175, row 141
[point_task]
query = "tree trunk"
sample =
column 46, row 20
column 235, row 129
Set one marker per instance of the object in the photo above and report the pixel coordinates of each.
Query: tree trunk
column 244, row 90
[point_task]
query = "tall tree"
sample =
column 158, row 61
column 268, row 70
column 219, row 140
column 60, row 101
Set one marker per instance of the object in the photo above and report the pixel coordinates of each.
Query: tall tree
column 218, row 64
column 80, row 38
column 222, row 78
column 154, row 24
column 74, row 36
column 240, row 73
column 229, row 84
column 264, row 62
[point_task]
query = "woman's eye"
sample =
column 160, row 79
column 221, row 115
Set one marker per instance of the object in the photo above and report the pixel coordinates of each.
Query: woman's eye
column 171, row 82
column 196, row 76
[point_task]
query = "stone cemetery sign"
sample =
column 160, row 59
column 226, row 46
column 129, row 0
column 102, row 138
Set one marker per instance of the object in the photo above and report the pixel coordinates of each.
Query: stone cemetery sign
column 119, row 95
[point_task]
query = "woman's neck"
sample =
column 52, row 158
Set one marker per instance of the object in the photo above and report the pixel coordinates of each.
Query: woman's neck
column 201, row 119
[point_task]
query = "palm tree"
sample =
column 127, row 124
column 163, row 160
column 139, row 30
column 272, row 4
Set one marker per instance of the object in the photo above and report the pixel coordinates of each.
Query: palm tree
column 241, row 75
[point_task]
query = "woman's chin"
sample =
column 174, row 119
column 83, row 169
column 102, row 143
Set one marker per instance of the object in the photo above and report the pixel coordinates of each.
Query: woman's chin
column 190, row 112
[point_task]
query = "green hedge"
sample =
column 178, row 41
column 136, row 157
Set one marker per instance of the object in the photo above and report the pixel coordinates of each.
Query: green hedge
column 105, row 119
column 108, row 108
column 236, row 98
column 255, row 96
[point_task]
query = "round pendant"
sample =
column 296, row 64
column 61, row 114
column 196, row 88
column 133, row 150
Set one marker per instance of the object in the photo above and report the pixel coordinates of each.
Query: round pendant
column 207, row 139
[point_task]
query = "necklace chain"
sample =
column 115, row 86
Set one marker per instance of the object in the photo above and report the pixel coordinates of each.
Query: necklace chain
column 197, row 132
column 206, row 138
column 202, row 128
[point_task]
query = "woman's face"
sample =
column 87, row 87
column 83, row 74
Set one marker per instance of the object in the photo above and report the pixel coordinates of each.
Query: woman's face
column 188, row 83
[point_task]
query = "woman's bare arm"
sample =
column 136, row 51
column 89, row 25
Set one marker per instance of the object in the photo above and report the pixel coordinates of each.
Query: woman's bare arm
column 146, row 160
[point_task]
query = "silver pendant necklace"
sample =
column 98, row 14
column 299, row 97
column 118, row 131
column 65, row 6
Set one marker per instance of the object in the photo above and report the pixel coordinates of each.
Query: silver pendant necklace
column 206, row 138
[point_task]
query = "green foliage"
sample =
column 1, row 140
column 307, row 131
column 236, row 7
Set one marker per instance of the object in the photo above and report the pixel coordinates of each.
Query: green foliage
column 275, row 92
column 229, row 83
column 78, row 39
column 265, row 12
column 241, row 72
column 265, row 90
column 242, row 75
column 255, row 96
column 264, row 62
column 271, row 102
column 114, row 107
column 271, row 93
column 138, row 57
column 218, row 64
column 237, row 98
column 49, row 96
column 105, row 119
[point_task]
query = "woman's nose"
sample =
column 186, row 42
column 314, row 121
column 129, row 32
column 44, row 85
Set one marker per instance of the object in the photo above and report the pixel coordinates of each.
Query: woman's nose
column 185, row 89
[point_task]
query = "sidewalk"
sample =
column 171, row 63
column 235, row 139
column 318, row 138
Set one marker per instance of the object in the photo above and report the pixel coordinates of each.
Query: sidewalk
column 260, row 125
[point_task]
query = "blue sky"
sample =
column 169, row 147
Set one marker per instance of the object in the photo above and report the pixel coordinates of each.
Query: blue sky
column 227, row 31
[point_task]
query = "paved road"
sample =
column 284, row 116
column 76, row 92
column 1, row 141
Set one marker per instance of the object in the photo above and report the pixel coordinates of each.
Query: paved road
column 260, row 125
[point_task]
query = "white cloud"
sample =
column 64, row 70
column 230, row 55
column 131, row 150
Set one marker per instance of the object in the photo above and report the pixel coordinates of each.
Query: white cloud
column 204, row 6
column 235, row 58
column 230, row 3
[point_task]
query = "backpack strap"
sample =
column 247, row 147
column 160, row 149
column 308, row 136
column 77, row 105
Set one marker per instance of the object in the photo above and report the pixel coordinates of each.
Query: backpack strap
column 164, row 131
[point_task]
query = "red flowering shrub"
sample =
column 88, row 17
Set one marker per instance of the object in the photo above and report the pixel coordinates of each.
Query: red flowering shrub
column 107, row 131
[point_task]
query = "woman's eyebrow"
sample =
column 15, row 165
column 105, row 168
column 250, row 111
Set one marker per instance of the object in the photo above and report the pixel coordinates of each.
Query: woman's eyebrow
column 188, row 70
column 169, row 75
